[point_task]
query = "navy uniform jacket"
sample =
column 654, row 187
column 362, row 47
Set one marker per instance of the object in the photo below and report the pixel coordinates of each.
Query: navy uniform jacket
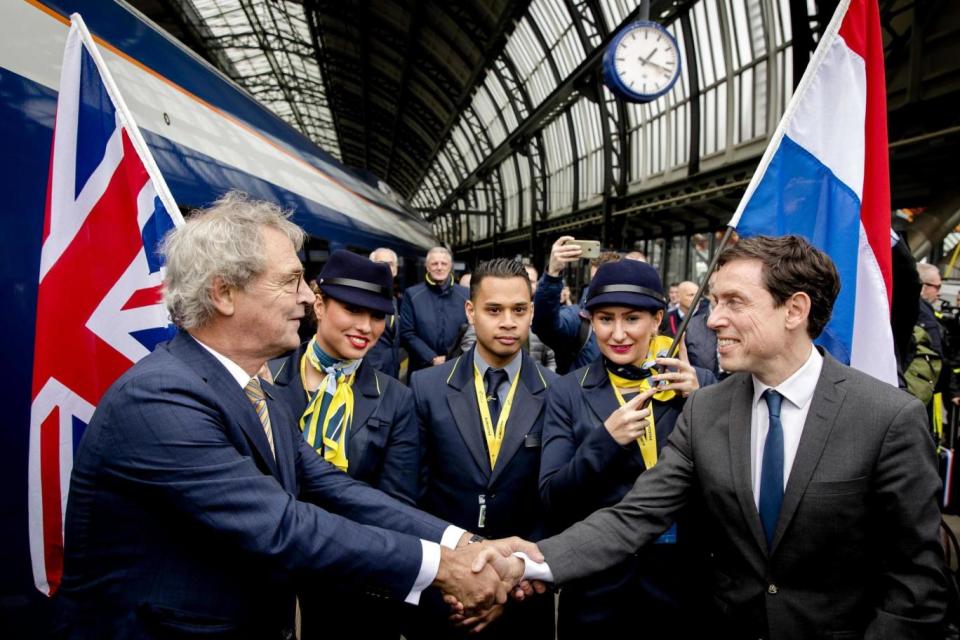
column 181, row 521
column 385, row 354
column 559, row 326
column 456, row 466
column 584, row 469
column 383, row 446
column 430, row 321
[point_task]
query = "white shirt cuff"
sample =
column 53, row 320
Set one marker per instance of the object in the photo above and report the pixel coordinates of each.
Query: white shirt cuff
column 534, row 570
column 451, row 536
column 430, row 561
column 429, row 565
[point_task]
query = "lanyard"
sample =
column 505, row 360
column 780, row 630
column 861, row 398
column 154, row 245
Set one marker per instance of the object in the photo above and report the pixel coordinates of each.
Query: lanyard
column 494, row 436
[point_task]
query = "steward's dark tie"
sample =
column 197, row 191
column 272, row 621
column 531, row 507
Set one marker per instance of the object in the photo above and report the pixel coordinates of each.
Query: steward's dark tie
column 771, row 474
column 492, row 380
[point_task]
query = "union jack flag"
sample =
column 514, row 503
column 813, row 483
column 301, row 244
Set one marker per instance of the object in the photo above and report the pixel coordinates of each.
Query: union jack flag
column 99, row 306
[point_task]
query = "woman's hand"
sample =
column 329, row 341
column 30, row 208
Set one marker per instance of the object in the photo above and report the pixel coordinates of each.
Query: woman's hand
column 628, row 423
column 678, row 373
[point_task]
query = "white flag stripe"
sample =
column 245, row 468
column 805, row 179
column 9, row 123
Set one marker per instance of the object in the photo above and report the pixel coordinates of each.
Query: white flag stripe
column 872, row 336
column 828, row 36
column 837, row 141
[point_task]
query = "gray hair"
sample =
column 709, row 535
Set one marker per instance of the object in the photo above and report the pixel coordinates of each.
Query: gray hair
column 926, row 269
column 440, row 250
column 391, row 254
column 224, row 241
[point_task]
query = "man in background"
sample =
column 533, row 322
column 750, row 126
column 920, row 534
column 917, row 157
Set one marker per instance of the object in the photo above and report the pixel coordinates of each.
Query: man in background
column 432, row 312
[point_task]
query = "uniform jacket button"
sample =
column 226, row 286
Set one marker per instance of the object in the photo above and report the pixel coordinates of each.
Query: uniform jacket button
column 773, row 589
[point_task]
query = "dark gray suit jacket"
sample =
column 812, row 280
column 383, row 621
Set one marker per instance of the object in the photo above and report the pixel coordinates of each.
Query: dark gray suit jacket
column 856, row 552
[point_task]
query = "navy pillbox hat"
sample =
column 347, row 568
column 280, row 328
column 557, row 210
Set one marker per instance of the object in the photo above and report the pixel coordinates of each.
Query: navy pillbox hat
column 357, row 281
column 627, row 283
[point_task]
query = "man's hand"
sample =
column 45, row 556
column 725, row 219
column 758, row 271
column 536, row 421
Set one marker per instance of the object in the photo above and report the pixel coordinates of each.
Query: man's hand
column 439, row 359
column 474, row 591
column 629, row 422
column 561, row 254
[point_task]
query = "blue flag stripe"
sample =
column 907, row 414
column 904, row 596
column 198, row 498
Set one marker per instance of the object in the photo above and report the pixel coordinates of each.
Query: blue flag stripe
column 800, row 195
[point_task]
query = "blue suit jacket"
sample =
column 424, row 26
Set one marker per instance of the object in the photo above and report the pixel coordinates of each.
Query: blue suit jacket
column 180, row 519
column 430, row 321
column 455, row 464
column 383, row 445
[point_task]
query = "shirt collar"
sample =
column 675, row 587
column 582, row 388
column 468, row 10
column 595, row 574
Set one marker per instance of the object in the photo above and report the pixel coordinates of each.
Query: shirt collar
column 235, row 370
column 512, row 368
column 799, row 387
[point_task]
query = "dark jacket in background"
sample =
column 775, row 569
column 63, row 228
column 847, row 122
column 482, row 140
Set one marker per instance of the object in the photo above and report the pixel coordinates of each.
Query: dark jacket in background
column 385, row 354
column 561, row 327
column 701, row 342
column 430, row 321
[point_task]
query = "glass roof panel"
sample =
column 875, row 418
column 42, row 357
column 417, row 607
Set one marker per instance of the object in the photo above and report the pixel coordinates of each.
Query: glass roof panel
column 269, row 45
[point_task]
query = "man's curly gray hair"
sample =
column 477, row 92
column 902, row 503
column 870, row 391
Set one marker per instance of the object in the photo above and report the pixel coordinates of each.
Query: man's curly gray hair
column 222, row 241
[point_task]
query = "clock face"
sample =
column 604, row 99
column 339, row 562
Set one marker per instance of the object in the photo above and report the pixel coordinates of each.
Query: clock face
column 643, row 62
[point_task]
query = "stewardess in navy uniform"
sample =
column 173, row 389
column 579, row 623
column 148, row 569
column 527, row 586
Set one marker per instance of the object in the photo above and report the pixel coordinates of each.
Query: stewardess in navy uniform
column 359, row 419
column 593, row 453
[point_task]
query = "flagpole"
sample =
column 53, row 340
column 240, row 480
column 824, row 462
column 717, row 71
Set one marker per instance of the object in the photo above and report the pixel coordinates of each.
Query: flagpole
column 724, row 241
column 133, row 130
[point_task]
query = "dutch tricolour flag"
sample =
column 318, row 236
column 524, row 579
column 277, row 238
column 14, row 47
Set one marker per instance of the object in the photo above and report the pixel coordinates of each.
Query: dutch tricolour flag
column 98, row 302
column 825, row 176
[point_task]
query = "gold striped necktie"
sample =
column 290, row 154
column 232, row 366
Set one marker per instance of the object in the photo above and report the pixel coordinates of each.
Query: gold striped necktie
column 255, row 393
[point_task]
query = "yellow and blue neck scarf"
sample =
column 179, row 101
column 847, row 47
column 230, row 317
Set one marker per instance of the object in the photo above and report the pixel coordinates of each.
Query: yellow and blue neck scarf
column 634, row 379
column 326, row 421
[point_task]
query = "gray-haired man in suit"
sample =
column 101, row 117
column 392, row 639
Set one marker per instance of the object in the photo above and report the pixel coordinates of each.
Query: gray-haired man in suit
column 814, row 484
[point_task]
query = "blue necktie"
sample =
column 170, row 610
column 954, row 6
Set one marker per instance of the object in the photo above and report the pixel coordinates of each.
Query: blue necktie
column 492, row 380
column 771, row 474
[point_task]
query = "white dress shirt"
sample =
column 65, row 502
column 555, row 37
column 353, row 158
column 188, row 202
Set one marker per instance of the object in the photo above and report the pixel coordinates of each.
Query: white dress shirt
column 429, row 559
column 797, row 392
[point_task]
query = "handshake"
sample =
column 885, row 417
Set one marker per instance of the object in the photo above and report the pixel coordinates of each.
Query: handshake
column 477, row 579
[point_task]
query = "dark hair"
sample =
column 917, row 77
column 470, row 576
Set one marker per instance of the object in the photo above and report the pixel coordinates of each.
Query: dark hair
column 792, row 265
column 498, row 268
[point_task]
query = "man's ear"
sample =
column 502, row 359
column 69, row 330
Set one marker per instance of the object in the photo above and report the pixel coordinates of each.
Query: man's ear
column 468, row 307
column 223, row 297
column 798, row 310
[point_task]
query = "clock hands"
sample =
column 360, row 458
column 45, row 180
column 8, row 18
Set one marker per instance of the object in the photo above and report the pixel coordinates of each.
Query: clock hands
column 646, row 62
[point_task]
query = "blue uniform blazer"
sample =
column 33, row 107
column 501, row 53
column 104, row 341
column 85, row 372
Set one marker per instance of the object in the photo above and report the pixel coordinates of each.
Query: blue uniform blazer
column 383, row 446
column 181, row 521
column 455, row 465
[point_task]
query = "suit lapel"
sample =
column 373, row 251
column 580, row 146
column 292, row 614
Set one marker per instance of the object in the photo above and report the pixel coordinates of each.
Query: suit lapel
column 597, row 390
column 738, row 430
column 462, row 400
column 229, row 393
column 824, row 408
column 527, row 404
